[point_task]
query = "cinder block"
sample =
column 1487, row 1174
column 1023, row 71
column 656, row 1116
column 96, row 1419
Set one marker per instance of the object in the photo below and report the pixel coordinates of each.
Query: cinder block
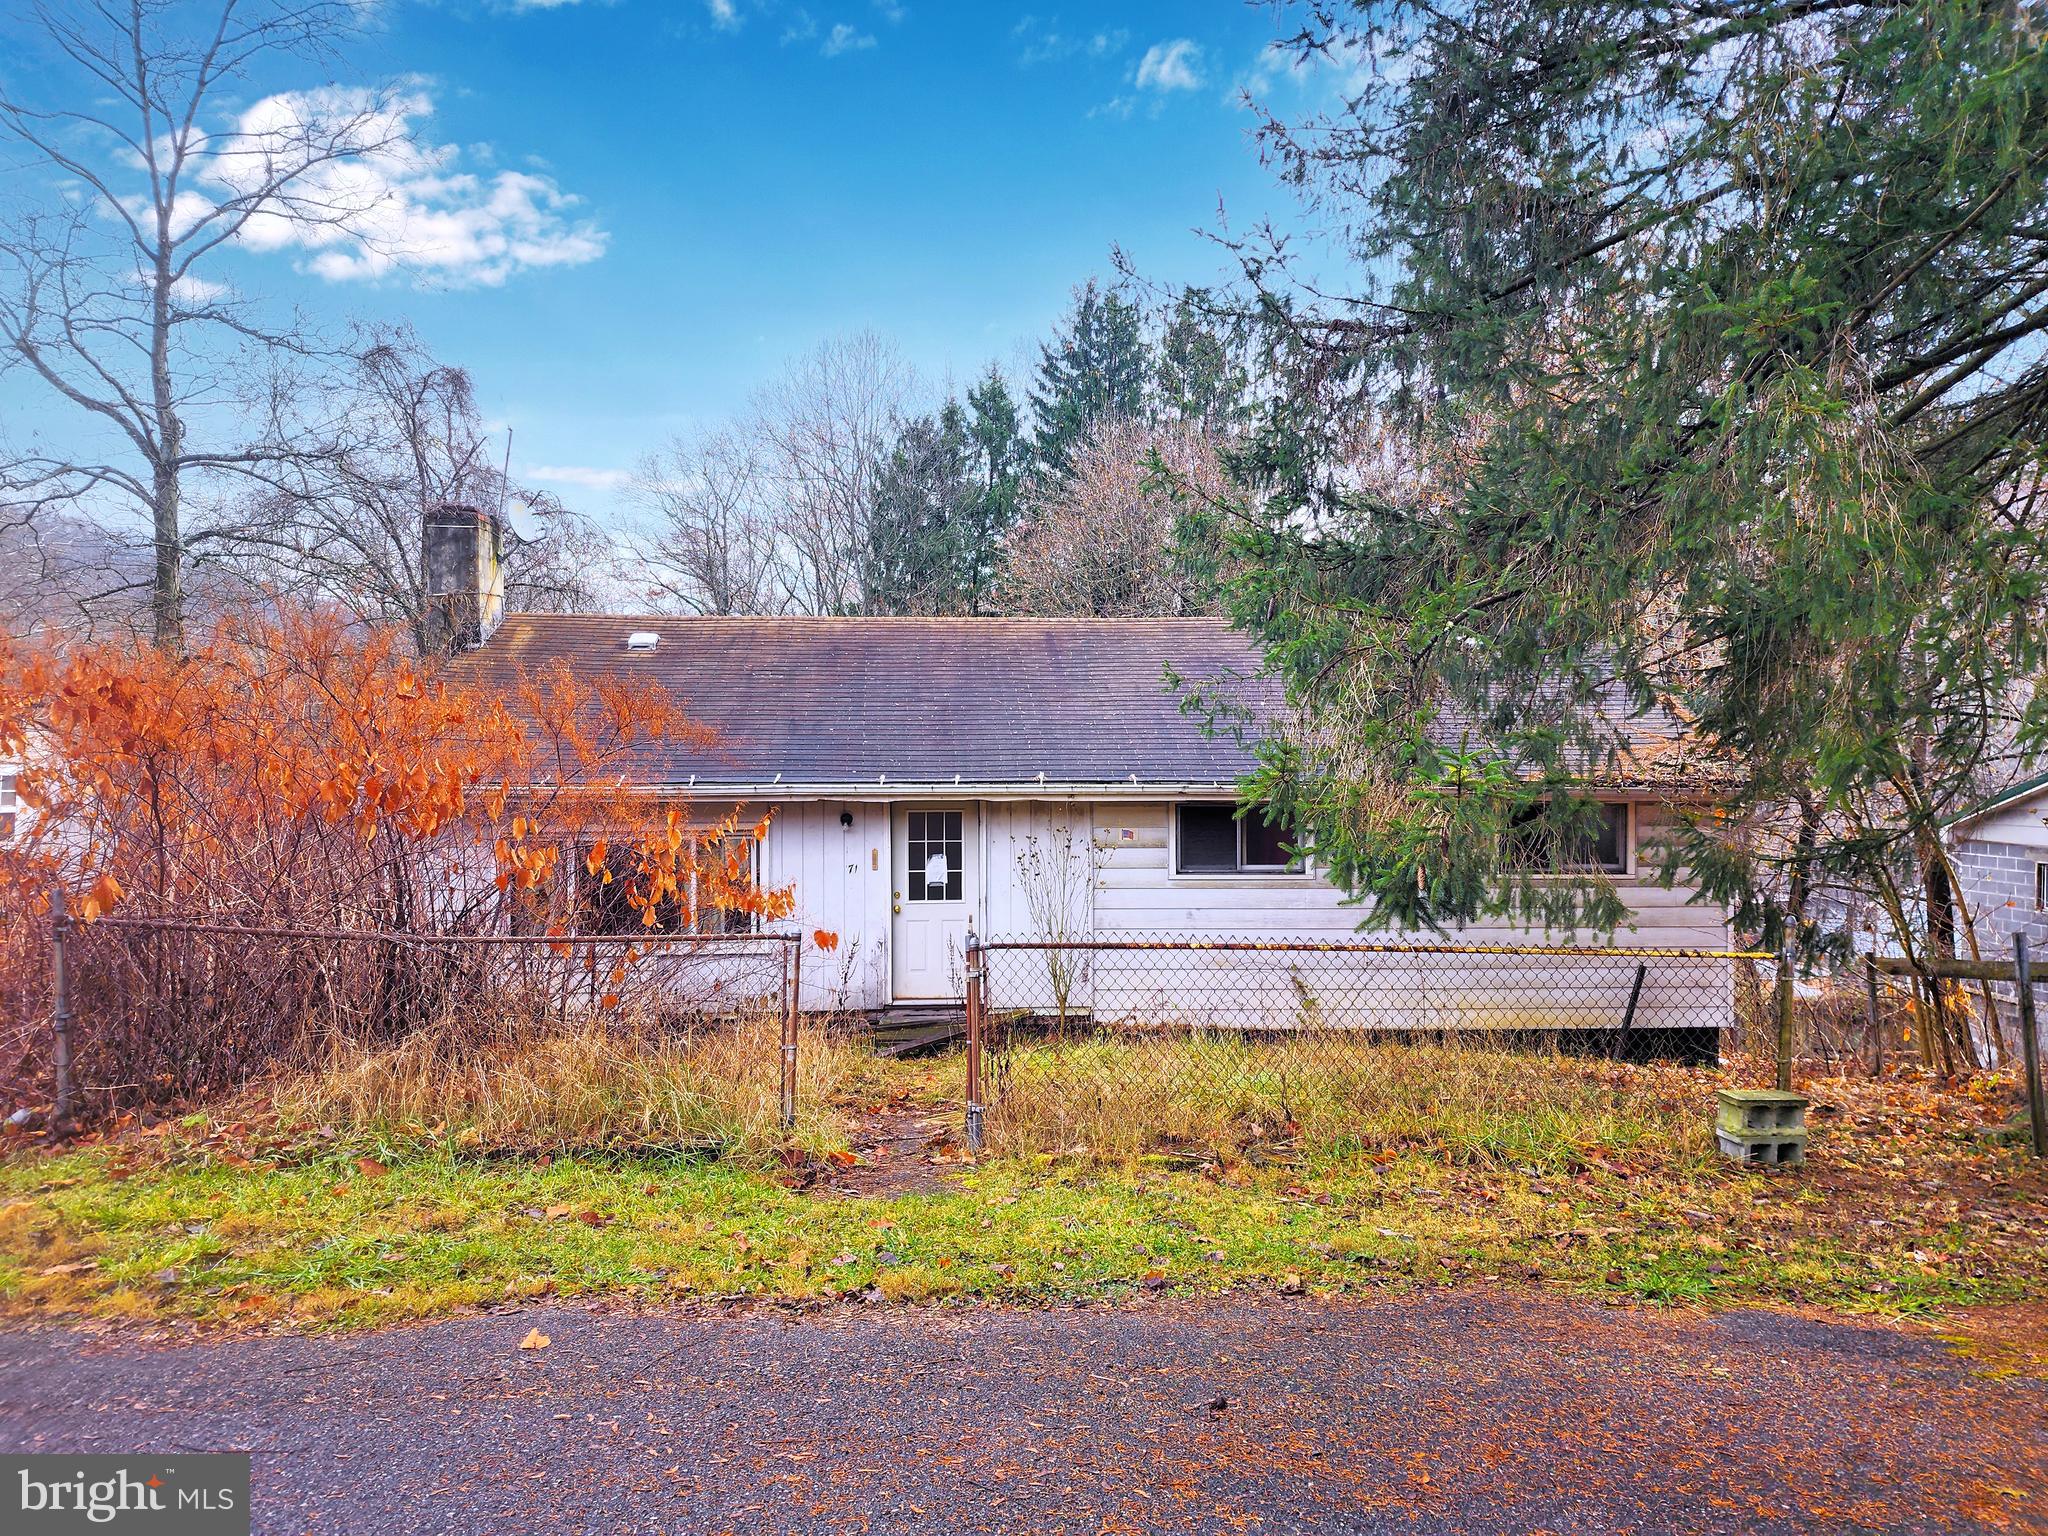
column 1761, row 1151
column 1760, row 1112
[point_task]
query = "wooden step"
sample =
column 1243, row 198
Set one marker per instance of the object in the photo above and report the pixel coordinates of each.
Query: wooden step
column 909, row 1029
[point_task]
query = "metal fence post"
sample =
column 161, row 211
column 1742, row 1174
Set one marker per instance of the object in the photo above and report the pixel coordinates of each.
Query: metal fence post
column 795, row 975
column 1785, row 1019
column 974, row 1042
column 2030, row 1043
column 1628, row 1017
column 60, row 1021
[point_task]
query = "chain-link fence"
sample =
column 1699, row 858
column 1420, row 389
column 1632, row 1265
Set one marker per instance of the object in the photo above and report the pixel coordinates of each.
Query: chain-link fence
column 1179, row 1031
column 161, row 1009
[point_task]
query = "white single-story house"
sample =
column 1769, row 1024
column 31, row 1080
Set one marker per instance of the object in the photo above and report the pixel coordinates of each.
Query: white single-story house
column 1030, row 777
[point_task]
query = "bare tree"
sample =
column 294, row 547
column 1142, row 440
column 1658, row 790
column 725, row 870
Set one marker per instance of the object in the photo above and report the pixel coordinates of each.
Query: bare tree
column 56, row 570
column 710, row 542
column 1057, row 874
column 128, row 181
column 405, row 435
column 1101, row 541
column 777, row 511
column 825, row 431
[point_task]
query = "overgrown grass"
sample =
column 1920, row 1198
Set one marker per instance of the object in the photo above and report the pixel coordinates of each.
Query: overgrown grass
column 416, row 1182
column 1121, row 1099
column 584, row 1086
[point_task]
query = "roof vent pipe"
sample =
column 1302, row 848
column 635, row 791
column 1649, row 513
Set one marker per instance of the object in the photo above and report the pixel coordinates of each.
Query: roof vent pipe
column 642, row 640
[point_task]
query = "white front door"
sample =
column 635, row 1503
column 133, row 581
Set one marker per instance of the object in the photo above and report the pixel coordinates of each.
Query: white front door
column 933, row 890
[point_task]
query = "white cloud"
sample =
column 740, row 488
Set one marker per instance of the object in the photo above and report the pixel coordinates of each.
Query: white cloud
column 401, row 204
column 845, row 38
column 724, row 14
column 192, row 292
column 1171, row 66
column 579, row 475
column 891, row 12
column 1042, row 42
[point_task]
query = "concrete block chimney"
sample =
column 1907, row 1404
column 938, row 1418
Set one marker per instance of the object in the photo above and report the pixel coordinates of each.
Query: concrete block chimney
column 462, row 554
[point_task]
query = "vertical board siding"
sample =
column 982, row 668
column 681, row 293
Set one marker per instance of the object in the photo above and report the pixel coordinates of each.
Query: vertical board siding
column 1023, row 851
column 838, row 891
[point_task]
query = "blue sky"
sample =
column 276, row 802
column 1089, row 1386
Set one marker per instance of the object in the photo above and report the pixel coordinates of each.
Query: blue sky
column 694, row 191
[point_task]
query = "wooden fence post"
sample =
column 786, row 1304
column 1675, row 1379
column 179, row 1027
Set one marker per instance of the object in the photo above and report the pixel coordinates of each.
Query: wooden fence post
column 1785, row 1019
column 60, row 1018
column 974, row 1040
column 2030, row 1043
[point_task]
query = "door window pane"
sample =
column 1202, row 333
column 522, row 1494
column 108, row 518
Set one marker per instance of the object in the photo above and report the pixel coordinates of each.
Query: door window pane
column 934, row 855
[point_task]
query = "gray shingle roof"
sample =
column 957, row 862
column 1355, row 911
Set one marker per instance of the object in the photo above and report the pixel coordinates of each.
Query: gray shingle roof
column 850, row 701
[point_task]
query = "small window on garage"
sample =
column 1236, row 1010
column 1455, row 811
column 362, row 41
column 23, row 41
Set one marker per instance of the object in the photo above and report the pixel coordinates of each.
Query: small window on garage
column 2041, row 887
column 1216, row 840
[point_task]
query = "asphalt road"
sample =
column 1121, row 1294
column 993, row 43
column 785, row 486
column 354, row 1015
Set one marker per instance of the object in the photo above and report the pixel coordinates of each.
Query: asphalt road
column 1468, row 1410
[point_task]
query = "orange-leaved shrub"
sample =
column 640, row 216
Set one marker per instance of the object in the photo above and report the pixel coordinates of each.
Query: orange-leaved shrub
column 299, row 775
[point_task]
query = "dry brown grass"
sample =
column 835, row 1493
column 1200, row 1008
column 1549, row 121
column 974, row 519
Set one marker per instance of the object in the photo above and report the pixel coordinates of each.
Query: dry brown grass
column 583, row 1085
column 1122, row 1098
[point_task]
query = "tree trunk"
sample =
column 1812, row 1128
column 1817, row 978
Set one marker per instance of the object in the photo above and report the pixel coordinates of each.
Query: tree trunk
column 167, row 589
column 1948, row 1024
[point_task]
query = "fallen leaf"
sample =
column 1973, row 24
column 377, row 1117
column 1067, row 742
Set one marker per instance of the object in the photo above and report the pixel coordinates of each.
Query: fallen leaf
column 370, row 1168
column 535, row 1339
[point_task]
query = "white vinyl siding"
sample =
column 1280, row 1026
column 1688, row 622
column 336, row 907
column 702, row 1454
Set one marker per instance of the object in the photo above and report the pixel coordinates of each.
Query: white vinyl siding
column 1138, row 892
column 840, row 877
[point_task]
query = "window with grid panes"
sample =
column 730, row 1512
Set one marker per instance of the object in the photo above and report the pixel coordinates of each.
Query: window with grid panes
column 936, row 856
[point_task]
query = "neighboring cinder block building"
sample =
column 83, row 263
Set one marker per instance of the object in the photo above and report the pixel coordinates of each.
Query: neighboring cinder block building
column 2000, row 853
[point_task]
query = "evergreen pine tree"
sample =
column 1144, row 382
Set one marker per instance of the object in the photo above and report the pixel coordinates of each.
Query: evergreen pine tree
column 927, row 501
column 1096, row 367
column 1202, row 376
column 1000, row 456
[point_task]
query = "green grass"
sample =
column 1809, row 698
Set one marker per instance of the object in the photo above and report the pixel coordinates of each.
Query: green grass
column 325, row 1244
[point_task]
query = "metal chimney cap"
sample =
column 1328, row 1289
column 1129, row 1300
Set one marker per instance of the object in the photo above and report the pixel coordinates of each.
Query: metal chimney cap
column 642, row 640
